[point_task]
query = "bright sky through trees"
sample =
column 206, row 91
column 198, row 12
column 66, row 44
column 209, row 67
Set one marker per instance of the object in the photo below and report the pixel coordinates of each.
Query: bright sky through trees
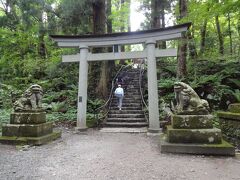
column 136, row 17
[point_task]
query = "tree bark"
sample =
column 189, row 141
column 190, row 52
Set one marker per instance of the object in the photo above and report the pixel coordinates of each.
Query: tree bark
column 220, row 36
column 99, row 20
column 109, row 12
column 158, row 17
column 155, row 14
column 230, row 33
column 111, row 64
column 162, row 17
column 182, row 50
column 41, row 43
column 99, row 17
column 191, row 45
column 203, row 36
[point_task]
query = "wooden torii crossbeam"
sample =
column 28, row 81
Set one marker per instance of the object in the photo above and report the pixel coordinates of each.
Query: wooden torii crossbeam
column 148, row 37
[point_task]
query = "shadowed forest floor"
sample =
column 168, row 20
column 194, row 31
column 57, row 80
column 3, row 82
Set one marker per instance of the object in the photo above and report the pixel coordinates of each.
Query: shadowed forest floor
column 103, row 156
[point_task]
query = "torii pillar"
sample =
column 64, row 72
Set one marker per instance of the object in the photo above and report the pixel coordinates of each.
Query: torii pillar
column 82, row 89
column 154, row 125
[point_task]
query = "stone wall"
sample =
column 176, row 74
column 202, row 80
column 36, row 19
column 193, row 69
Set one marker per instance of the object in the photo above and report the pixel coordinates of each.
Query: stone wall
column 230, row 124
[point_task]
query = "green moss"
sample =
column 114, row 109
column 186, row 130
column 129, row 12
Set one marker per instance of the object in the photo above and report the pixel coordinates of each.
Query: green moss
column 223, row 144
column 234, row 108
column 229, row 115
column 194, row 135
column 30, row 140
column 231, row 130
column 192, row 121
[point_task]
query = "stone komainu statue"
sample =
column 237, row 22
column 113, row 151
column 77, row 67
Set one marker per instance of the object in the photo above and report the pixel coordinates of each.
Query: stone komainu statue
column 30, row 100
column 188, row 102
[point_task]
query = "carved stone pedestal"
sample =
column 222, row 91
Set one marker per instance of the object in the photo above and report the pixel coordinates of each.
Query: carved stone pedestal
column 194, row 134
column 28, row 127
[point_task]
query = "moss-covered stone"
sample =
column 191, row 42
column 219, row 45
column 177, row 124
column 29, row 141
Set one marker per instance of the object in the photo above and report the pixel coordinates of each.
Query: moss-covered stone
column 28, row 117
column 192, row 121
column 29, row 130
column 229, row 115
column 30, row 140
column 209, row 136
column 234, row 108
column 223, row 148
column 231, row 130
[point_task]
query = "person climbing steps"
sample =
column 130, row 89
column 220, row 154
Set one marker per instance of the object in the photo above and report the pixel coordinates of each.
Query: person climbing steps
column 119, row 93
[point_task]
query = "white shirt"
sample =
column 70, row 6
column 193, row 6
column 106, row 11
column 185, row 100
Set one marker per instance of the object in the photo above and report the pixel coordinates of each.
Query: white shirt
column 119, row 90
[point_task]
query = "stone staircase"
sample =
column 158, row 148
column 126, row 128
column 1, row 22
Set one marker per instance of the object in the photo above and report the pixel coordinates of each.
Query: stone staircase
column 131, row 115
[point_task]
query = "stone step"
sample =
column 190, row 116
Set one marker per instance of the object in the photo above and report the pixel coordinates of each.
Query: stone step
column 127, row 98
column 127, row 101
column 135, row 91
column 124, row 103
column 125, row 108
column 126, row 115
column 133, row 96
column 134, row 102
column 134, row 124
column 126, row 120
column 126, row 112
column 123, row 130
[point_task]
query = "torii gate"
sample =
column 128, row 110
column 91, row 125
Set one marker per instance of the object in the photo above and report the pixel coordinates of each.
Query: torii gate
column 148, row 37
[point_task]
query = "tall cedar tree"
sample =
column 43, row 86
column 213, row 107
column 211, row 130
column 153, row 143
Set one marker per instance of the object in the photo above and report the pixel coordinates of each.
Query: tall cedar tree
column 99, row 24
column 181, row 65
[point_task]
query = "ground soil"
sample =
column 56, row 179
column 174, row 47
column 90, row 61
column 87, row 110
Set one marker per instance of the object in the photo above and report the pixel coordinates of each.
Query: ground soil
column 103, row 156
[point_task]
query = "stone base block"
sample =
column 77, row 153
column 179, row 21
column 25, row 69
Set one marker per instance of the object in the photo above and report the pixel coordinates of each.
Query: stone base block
column 27, row 130
column 210, row 136
column 192, row 121
column 30, row 140
column 223, row 149
column 229, row 115
column 234, row 108
column 28, row 117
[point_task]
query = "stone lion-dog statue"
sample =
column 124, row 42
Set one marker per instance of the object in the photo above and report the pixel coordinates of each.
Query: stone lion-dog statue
column 188, row 101
column 30, row 99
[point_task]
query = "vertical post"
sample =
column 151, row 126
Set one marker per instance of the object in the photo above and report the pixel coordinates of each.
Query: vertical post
column 154, row 125
column 82, row 89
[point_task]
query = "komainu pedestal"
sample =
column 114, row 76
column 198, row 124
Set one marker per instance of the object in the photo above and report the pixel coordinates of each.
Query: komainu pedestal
column 191, row 130
column 28, row 121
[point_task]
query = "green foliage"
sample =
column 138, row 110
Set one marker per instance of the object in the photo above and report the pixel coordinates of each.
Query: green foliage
column 94, row 104
column 165, row 87
column 120, row 16
column 236, row 94
column 4, row 117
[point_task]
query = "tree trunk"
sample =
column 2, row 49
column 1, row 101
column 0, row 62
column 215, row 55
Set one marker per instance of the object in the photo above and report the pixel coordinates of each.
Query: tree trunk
column 158, row 17
column 155, row 14
column 111, row 64
column 230, row 33
column 99, row 19
column 182, row 50
column 41, row 42
column 220, row 36
column 191, row 45
column 109, row 12
column 203, row 36
column 162, row 17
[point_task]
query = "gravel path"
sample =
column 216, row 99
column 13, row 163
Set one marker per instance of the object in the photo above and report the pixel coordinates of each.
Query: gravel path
column 104, row 156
